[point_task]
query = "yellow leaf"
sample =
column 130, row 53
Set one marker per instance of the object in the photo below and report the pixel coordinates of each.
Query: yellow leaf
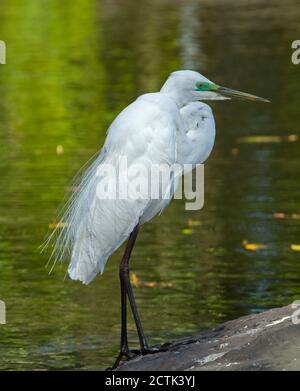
column 279, row 215
column 259, row 139
column 295, row 247
column 187, row 231
column 295, row 216
column 292, row 137
column 253, row 246
column 57, row 225
column 151, row 284
column 193, row 223
column 134, row 280
column 59, row 149
column 235, row 151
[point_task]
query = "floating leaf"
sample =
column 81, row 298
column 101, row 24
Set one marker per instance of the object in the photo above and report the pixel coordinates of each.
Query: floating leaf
column 235, row 151
column 279, row 215
column 295, row 216
column 134, row 280
column 259, row 139
column 57, row 225
column 267, row 139
column 292, row 137
column 186, row 231
column 151, row 284
column 194, row 223
column 295, row 247
column 59, row 149
column 253, row 246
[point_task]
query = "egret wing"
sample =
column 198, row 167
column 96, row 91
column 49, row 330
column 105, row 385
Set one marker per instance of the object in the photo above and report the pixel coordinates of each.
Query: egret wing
column 144, row 134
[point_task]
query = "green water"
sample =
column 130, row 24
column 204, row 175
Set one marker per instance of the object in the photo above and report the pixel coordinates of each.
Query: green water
column 71, row 67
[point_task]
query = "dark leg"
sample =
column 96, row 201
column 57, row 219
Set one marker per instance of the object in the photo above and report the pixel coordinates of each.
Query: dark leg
column 124, row 340
column 124, row 283
column 126, row 288
column 137, row 319
column 124, row 275
column 124, row 350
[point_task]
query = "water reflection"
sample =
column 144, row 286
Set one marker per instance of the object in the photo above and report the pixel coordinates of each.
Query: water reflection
column 71, row 67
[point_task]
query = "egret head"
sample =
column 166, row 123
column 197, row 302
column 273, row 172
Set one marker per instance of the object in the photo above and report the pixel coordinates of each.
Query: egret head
column 190, row 86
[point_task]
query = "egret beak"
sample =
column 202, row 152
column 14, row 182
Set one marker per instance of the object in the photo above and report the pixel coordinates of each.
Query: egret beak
column 227, row 92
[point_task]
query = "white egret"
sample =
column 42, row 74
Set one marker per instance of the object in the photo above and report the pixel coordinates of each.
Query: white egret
column 166, row 127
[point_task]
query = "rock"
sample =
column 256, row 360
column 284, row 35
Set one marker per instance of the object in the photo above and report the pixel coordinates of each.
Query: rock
column 266, row 341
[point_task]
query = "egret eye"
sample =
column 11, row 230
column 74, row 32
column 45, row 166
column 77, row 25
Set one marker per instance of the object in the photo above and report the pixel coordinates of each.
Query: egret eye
column 202, row 86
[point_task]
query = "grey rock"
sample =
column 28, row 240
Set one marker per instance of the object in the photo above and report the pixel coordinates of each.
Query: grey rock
column 266, row 341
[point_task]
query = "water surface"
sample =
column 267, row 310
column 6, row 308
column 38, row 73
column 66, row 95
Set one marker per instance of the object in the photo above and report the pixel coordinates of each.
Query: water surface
column 71, row 67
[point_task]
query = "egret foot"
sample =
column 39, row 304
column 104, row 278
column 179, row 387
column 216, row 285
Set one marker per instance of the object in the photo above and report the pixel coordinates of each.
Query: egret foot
column 154, row 349
column 150, row 349
column 125, row 353
column 132, row 353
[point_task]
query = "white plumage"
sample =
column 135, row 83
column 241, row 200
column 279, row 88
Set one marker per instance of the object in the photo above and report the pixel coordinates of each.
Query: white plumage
column 167, row 127
column 162, row 129
column 200, row 132
column 154, row 129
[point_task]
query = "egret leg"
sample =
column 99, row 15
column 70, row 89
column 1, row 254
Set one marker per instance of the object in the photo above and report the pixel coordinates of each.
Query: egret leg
column 124, row 349
column 126, row 276
column 145, row 348
column 126, row 290
column 124, row 283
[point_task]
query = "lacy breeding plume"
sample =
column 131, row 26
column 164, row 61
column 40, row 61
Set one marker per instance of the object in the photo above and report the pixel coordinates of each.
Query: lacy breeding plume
column 167, row 127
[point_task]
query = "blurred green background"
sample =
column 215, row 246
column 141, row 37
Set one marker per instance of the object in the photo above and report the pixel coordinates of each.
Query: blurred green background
column 72, row 66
